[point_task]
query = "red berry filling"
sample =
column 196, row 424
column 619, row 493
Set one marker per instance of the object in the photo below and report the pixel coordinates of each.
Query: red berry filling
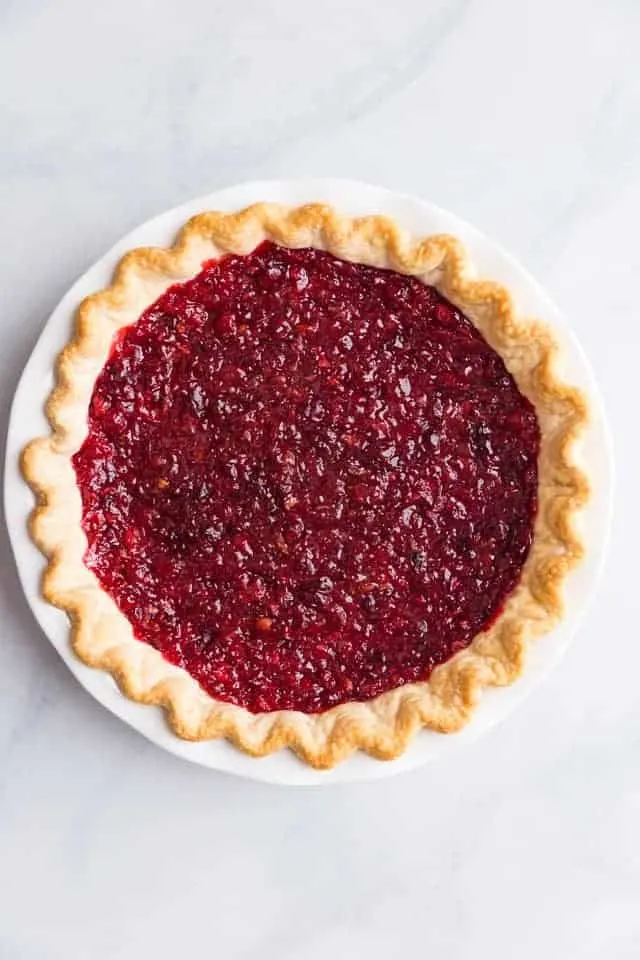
column 306, row 481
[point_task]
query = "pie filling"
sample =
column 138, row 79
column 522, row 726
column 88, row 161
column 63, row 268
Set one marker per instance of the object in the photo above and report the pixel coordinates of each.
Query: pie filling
column 306, row 481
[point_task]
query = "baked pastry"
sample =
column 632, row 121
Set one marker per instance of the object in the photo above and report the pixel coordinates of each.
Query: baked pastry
column 308, row 482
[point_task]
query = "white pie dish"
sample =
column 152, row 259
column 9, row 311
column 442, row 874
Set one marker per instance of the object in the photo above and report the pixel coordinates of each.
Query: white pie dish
column 27, row 421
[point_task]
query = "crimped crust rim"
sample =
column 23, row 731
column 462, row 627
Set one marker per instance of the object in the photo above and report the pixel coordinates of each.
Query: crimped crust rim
column 383, row 727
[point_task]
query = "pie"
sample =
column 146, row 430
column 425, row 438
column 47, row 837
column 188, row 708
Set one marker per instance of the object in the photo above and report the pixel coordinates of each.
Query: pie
column 308, row 482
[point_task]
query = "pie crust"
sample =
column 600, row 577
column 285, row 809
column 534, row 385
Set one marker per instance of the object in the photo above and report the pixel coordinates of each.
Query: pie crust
column 382, row 727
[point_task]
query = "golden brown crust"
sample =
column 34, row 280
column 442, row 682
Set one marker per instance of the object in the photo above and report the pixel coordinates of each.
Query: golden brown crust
column 102, row 636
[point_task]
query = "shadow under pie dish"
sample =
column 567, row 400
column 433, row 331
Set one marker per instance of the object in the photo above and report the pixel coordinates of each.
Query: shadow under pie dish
column 308, row 483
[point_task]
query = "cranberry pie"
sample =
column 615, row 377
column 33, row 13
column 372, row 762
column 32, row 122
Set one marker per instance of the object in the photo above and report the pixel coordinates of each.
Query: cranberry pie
column 308, row 483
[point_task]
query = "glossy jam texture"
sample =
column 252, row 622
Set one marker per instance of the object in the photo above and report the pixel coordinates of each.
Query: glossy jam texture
column 306, row 481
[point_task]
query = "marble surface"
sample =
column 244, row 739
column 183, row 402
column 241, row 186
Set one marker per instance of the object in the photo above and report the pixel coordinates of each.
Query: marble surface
column 525, row 119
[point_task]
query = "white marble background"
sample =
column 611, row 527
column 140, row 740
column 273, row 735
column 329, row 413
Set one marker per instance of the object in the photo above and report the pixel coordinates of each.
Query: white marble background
column 524, row 118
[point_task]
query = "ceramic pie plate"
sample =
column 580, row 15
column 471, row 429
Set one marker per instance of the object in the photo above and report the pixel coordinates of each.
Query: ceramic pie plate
column 420, row 218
